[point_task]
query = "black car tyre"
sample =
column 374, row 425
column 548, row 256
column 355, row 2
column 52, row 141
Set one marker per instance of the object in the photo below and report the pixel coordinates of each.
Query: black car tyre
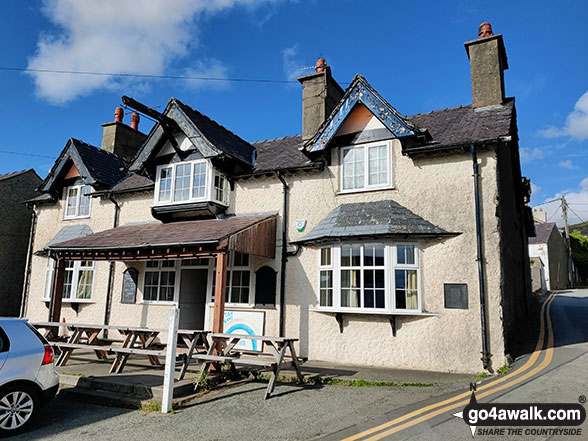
column 18, row 406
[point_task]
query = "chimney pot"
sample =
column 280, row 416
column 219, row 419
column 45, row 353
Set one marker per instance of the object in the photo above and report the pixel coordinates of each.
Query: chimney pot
column 118, row 114
column 485, row 30
column 320, row 65
column 135, row 121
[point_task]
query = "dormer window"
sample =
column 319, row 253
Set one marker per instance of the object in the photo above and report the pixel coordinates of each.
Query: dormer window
column 191, row 181
column 77, row 202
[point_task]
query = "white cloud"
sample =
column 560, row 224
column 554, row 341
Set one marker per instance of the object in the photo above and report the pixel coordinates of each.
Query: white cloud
column 118, row 36
column 567, row 164
column 576, row 200
column 576, row 125
column 529, row 154
column 292, row 63
column 210, row 68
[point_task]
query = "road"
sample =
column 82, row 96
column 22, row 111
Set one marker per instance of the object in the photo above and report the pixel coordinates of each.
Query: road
column 554, row 372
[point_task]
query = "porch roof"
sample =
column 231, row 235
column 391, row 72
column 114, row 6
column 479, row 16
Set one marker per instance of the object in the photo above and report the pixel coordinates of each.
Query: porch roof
column 254, row 235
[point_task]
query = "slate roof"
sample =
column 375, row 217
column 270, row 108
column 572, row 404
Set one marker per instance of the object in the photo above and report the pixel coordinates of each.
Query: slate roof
column 453, row 127
column 542, row 233
column 133, row 182
column 368, row 219
column 464, row 125
column 279, row 154
column 158, row 234
column 105, row 167
column 14, row 174
column 69, row 233
column 219, row 136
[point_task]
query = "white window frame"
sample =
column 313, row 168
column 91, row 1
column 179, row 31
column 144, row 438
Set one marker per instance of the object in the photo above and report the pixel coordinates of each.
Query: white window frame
column 366, row 186
column 159, row 270
column 390, row 267
column 230, row 268
column 77, row 215
column 49, row 279
column 209, row 190
column 75, row 270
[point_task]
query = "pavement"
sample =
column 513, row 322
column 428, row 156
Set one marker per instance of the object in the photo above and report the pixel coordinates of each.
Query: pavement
column 334, row 412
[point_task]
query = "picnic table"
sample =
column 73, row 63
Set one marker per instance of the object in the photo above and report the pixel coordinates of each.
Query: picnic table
column 226, row 352
column 136, row 341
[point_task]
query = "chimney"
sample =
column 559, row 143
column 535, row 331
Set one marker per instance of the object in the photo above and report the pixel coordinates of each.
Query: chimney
column 487, row 64
column 320, row 95
column 539, row 216
column 120, row 139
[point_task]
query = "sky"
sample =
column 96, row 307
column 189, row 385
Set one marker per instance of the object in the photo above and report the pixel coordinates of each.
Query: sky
column 412, row 53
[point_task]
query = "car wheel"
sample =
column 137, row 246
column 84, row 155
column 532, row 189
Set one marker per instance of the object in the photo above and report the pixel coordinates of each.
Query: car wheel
column 18, row 406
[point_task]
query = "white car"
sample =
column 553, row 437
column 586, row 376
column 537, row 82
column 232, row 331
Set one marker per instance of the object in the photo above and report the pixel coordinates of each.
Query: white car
column 28, row 378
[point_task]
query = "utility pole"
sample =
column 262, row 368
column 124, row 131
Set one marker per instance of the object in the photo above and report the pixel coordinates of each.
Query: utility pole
column 564, row 209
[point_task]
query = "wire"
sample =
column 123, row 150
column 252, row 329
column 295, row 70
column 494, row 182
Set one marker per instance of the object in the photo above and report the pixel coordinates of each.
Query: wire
column 166, row 77
column 545, row 203
column 581, row 220
column 27, row 154
column 554, row 213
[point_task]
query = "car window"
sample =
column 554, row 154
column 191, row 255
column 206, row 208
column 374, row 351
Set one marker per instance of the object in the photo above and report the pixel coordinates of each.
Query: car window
column 4, row 342
column 38, row 334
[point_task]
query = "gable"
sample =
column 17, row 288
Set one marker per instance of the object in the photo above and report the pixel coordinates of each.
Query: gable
column 359, row 120
column 191, row 130
column 360, row 93
column 93, row 166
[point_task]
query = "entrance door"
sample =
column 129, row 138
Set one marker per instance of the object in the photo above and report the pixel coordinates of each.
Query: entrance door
column 193, row 298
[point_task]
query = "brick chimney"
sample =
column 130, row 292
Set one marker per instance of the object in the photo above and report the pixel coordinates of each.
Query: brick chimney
column 487, row 64
column 320, row 95
column 120, row 139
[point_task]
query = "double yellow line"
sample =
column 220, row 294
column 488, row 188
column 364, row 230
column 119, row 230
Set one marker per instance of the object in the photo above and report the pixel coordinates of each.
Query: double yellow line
column 524, row 372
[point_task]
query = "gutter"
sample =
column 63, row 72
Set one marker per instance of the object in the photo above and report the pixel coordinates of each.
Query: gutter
column 486, row 355
column 309, row 167
column 284, row 253
column 27, row 278
column 110, row 286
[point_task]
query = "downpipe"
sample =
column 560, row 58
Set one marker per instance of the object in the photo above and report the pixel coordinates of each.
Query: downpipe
column 110, row 287
column 284, row 254
column 25, row 286
column 486, row 355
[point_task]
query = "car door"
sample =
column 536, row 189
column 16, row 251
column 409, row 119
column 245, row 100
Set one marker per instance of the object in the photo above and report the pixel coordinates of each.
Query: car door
column 4, row 346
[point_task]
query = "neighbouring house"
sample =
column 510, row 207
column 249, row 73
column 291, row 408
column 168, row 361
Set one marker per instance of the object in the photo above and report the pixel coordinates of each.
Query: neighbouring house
column 15, row 189
column 375, row 238
column 549, row 246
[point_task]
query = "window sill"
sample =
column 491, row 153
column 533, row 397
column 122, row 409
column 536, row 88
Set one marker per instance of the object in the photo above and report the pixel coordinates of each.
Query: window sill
column 363, row 190
column 373, row 312
column 239, row 307
column 76, row 218
column 146, row 302
column 77, row 301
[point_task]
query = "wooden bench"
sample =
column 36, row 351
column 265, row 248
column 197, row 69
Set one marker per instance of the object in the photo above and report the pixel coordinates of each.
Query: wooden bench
column 225, row 345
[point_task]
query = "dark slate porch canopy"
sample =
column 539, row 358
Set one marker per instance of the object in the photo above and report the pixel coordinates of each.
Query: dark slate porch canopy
column 373, row 219
column 254, row 235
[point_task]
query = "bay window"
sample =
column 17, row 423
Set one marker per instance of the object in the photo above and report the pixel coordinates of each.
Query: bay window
column 191, row 181
column 77, row 201
column 366, row 166
column 363, row 277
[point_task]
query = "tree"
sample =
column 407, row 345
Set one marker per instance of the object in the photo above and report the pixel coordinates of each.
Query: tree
column 579, row 245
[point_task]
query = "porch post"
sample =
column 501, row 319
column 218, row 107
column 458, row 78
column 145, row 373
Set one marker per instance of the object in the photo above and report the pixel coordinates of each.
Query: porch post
column 57, row 293
column 219, row 292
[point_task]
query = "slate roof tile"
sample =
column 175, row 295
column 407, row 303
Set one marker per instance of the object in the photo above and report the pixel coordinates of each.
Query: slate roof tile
column 542, row 233
column 105, row 167
column 380, row 218
column 219, row 136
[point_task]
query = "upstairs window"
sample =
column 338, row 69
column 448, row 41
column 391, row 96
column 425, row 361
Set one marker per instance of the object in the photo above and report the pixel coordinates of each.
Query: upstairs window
column 192, row 181
column 366, row 167
column 77, row 201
